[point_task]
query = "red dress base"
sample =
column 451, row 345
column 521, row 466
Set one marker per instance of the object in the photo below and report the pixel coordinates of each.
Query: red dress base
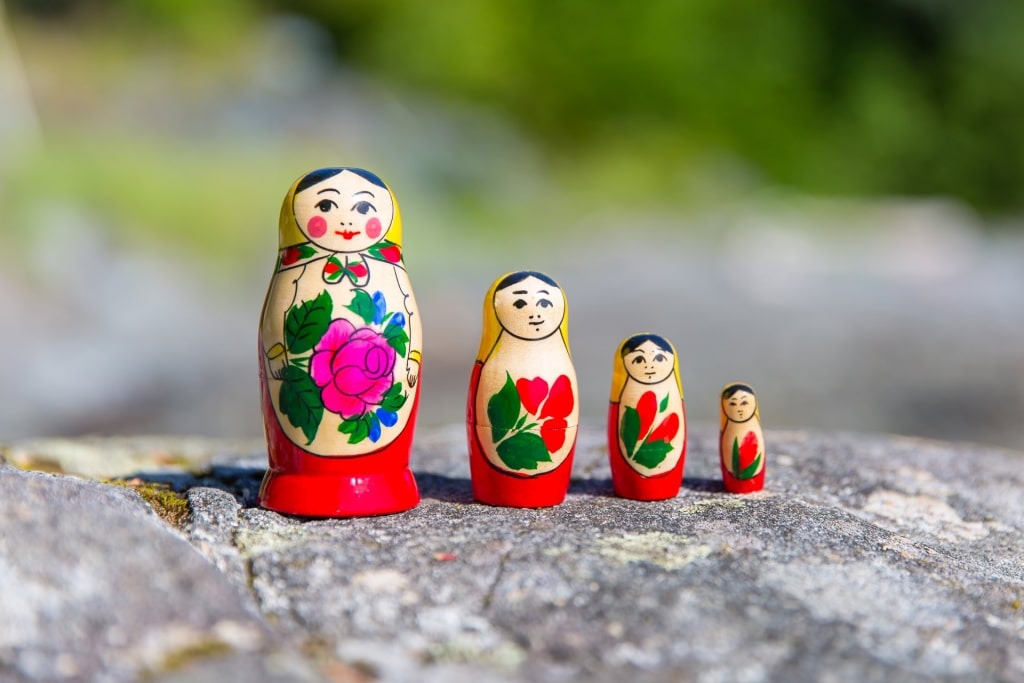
column 301, row 483
column 631, row 484
column 493, row 486
column 734, row 485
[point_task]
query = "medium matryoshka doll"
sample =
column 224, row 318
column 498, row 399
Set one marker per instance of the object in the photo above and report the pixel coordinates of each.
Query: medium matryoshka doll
column 741, row 447
column 646, row 420
column 522, row 413
column 340, row 349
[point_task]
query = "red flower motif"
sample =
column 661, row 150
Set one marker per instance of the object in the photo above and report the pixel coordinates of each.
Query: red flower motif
column 748, row 450
column 291, row 255
column 358, row 269
column 560, row 402
column 647, row 407
column 391, row 254
column 666, row 431
column 330, row 268
column 553, row 433
column 531, row 393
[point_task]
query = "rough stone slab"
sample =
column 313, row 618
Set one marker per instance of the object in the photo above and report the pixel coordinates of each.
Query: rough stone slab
column 867, row 558
column 94, row 586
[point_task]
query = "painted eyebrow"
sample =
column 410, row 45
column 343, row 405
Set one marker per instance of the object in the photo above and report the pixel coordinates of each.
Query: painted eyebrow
column 328, row 189
column 520, row 291
column 356, row 194
column 544, row 291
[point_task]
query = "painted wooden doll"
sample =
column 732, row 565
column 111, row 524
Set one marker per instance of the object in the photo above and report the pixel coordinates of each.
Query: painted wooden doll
column 340, row 349
column 741, row 447
column 522, row 412
column 646, row 419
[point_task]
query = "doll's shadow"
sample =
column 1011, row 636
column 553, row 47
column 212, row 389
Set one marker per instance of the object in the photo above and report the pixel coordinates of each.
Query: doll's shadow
column 592, row 487
column 605, row 487
column 443, row 488
column 703, row 484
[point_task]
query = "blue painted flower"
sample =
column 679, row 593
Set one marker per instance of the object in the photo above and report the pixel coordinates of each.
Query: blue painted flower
column 387, row 417
column 374, row 430
column 380, row 308
column 398, row 320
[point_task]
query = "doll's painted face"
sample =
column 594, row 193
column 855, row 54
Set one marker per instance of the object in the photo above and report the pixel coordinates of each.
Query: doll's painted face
column 740, row 406
column 530, row 308
column 344, row 213
column 649, row 364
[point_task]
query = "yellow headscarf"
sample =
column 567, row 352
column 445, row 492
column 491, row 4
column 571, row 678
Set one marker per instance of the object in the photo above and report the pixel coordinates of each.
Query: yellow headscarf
column 289, row 233
column 619, row 374
column 492, row 328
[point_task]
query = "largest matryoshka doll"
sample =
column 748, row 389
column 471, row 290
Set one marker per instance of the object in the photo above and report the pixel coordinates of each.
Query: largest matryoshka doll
column 522, row 413
column 340, row 349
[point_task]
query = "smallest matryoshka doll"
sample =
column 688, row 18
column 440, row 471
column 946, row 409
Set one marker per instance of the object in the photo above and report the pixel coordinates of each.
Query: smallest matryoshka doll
column 523, row 408
column 646, row 419
column 741, row 446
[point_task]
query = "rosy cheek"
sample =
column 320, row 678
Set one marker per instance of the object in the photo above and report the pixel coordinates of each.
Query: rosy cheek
column 373, row 228
column 316, row 227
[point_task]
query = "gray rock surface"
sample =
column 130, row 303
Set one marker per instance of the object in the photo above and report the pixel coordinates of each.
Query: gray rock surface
column 94, row 586
column 866, row 558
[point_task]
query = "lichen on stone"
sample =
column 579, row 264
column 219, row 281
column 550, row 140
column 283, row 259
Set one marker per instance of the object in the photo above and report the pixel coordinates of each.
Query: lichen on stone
column 171, row 506
column 665, row 550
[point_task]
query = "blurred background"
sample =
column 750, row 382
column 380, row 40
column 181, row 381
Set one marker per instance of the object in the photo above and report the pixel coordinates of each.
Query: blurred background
column 823, row 199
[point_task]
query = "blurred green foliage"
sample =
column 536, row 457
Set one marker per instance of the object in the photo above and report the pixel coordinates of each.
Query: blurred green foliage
column 849, row 96
column 855, row 97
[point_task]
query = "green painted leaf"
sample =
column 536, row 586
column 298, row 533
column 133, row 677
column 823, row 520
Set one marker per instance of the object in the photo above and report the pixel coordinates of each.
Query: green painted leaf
column 523, row 451
column 357, row 428
column 652, row 454
column 735, row 456
column 503, row 409
column 663, row 405
column 300, row 401
column 397, row 340
column 629, row 430
column 362, row 305
column 307, row 322
column 521, row 421
column 394, row 399
column 750, row 470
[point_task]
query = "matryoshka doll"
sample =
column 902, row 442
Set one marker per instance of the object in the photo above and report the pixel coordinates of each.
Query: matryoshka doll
column 646, row 420
column 522, row 413
column 741, row 446
column 340, row 349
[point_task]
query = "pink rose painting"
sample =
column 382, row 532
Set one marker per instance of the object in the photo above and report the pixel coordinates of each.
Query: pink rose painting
column 353, row 367
column 350, row 370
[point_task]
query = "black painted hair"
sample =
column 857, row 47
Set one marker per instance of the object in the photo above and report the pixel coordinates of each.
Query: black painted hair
column 314, row 177
column 519, row 276
column 634, row 342
column 733, row 388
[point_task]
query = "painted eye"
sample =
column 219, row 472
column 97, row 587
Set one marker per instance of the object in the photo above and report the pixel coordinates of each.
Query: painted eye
column 544, row 303
column 519, row 303
column 638, row 360
column 326, row 205
column 743, row 403
column 659, row 358
column 363, row 207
